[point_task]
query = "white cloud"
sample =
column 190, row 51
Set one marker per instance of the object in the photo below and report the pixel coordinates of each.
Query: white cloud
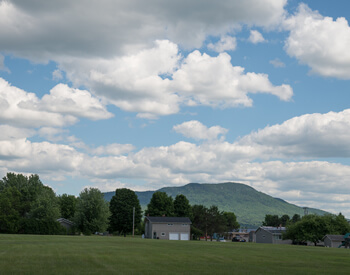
column 17, row 109
column 319, row 42
column 44, row 31
column 79, row 103
column 58, row 109
column 311, row 135
column 256, row 37
column 277, row 63
column 213, row 81
column 226, row 43
column 196, row 130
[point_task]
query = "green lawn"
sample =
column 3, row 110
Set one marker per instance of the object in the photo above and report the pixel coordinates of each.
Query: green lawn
column 28, row 254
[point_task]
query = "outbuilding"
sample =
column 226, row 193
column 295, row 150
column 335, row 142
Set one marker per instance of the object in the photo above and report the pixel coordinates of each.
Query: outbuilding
column 168, row 228
column 269, row 234
column 333, row 240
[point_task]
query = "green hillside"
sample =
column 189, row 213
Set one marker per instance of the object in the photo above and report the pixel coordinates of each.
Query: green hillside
column 249, row 205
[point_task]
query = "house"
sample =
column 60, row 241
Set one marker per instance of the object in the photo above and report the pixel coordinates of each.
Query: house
column 67, row 224
column 269, row 234
column 168, row 228
column 333, row 240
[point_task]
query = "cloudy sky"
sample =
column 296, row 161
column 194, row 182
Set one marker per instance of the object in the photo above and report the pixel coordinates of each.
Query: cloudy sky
column 147, row 94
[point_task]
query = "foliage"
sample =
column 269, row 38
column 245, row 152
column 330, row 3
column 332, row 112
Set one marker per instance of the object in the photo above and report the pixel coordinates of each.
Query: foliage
column 27, row 206
column 121, row 208
column 160, row 204
column 313, row 228
column 182, row 207
column 67, row 205
column 211, row 220
column 276, row 221
column 231, row 221
column 92, row 211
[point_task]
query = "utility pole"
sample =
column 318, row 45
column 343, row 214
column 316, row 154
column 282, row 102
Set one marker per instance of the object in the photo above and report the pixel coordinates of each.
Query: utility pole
column 133, row 221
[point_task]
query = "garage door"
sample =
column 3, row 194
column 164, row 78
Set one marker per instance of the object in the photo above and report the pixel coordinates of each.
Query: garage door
column 173, row 236
column 184, row 237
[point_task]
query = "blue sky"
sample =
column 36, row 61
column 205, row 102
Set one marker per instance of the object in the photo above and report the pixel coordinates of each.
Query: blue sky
column 128, row 94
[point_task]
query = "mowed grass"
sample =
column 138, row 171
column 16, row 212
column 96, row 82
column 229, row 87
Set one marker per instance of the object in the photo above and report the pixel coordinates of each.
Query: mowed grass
column 35, row 254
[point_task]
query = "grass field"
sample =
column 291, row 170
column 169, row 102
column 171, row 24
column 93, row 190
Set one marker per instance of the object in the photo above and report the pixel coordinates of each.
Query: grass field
column 28, row 254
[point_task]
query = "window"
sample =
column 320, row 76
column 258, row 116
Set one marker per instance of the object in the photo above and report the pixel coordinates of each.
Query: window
column 163, row 234
column 184, row 224
column 170, row 224
column 278, row 237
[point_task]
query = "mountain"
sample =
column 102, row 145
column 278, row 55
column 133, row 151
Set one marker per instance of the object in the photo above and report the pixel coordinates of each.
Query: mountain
column 249, row 205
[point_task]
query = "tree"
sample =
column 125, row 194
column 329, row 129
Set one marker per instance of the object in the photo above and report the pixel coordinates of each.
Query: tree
column 231, row 221
column 271, row 220
column 199, row 219
column 182, row 207
column 92, row 211
column 27, row 206
column 67, row 205
column 295, row 218
column 121, row 208
column 284, row 220
column 160, row 204
column 10, row 201
column 313, row 228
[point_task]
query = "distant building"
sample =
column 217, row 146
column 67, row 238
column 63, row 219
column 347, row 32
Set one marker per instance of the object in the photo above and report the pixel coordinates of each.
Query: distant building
column 269, row 234
column 333, row 240
column 67, row 224
column 168, row 228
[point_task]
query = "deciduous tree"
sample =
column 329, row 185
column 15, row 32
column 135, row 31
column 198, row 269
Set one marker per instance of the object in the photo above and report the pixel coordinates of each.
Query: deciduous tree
column 160, row 204
column 182, row 207
column 121, row 207
column 92, row 211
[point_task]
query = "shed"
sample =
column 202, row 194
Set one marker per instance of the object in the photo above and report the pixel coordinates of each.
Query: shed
column 333, row 240
column 269, row 234
column 168, row 228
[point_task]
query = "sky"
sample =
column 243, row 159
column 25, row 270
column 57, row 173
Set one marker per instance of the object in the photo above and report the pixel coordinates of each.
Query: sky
column 146, row 94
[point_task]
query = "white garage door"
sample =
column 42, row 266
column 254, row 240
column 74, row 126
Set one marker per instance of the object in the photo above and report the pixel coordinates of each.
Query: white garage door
column 173, row 236
column 184, row 237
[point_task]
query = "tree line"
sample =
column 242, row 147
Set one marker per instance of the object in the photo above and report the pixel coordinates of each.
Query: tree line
column 310, row 228
column 27, row 206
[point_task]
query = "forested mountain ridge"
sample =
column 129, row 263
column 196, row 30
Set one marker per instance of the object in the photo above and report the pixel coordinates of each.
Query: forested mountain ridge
column 249, row 205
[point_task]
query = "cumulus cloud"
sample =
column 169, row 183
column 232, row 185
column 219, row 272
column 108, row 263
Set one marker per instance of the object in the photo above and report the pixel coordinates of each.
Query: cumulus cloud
column 159, row 80
column 196, row 130
column 319, row 42
column 310, row 135
column 17, row 109
column 213, row 81
column 58, row 109
column 79, row 103
column 256, row 37
column 50, row 30
column 226, row 43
